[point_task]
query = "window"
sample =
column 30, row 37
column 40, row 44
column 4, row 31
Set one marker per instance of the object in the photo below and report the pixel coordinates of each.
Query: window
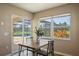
column 61, row 27
column 45, row 26
column 57, row 26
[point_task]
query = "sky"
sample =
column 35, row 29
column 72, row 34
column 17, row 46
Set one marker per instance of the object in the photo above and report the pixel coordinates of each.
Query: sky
column 58, row 20
column 62, row 19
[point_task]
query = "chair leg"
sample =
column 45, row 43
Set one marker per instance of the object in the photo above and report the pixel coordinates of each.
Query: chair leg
column 34, row 53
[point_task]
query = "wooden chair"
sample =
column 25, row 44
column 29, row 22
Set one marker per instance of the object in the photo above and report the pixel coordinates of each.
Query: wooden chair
column 48, row 51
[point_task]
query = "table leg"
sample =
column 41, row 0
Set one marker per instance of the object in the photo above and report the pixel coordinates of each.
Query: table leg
column 27, row 51
column 20, row 49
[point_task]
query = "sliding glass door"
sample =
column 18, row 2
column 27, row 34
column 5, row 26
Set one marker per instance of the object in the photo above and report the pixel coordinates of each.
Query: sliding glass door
column 27, row 31
column 22, row 32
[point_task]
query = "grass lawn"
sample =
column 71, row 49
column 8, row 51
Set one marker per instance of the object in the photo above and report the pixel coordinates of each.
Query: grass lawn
column 20, row 33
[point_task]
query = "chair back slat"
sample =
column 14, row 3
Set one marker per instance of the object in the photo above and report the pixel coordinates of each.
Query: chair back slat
column 50, row 46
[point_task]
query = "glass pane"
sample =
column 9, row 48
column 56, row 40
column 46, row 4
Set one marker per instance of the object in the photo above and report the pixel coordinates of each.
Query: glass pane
column 17, row 32
column 61, row 32
column 62, row 21
column 61, row 27
column 27, row 28
column 46, row 27
column 17, row 29
column 27, row 32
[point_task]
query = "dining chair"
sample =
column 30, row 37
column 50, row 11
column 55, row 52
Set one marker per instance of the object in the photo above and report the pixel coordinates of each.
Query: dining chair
column 47, row 51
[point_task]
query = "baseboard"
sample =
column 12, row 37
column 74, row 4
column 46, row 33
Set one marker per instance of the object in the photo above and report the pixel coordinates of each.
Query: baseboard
column 63, row 54
column 9, row 54
column 12, row 53
column 56, row 52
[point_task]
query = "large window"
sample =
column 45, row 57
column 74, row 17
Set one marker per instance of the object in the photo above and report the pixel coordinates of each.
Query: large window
column 61, row 27
column 58, row 26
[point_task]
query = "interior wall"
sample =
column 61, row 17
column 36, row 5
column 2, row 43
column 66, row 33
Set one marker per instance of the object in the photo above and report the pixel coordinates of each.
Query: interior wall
column 6, row 11
column 65, row 46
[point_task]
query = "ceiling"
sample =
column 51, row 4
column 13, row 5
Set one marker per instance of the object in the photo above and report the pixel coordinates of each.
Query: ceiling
column 36, row 7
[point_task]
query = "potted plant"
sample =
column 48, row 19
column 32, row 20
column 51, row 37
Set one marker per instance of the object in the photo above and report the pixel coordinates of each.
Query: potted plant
column 39, row 32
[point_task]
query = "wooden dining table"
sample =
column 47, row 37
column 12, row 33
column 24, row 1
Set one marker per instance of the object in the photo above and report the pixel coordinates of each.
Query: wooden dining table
column 34, row 46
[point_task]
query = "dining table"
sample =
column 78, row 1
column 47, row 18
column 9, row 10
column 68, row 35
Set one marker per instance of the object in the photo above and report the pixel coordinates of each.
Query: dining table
column 34, row 47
